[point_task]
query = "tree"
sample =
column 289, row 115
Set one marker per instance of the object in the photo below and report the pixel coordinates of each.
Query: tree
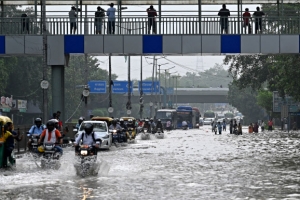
column 245, row 101
column 265, row 100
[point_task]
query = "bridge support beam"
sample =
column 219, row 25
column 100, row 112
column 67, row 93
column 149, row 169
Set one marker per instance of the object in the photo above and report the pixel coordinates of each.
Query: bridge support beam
column 58, row 89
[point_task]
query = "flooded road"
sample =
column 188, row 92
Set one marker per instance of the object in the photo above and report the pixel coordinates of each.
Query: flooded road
column 192, row 164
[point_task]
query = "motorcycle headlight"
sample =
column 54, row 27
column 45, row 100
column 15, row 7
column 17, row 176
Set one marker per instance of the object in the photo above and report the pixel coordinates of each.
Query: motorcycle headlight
column 83, row 152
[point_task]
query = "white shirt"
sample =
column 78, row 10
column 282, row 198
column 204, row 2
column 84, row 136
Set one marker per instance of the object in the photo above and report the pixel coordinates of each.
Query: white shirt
column 87, row 139
column 111, row 14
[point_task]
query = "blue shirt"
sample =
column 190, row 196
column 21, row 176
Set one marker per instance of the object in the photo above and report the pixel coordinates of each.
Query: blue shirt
column 35, row 130
column 111, row 14
column 219, row 127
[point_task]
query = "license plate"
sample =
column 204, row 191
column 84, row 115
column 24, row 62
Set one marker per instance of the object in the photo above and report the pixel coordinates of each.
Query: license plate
column 33, row 144
column 83, row 152
column 115, row 133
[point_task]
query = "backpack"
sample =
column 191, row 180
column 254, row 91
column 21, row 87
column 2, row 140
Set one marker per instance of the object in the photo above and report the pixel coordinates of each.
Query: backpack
column 93, row 136
column 35, row 127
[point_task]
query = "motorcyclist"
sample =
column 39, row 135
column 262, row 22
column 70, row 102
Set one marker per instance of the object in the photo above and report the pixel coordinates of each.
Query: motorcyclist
column 184, row 124
column 80, row 120
column 122, row 124
column 88, row 137
column 130, row 124
column 36, row 129
column 114, row 125
column 159, row 125
column 52, row 135
column 147, row 125
column 168, row 125
column 153, row 125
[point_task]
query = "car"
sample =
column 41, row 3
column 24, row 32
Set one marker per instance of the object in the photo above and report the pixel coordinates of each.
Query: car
column 207, row 121
column 101, row 130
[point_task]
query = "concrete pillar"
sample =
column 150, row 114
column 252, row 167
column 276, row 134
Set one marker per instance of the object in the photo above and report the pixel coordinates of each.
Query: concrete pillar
column 58, row 90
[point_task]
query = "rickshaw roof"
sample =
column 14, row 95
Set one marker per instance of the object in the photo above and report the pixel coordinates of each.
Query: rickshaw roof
column 4, row 119
column 102, row 119
column 127, row 118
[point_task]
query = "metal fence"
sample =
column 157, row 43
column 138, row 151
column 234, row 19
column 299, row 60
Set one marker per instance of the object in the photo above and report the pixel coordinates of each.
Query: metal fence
column 135, row 25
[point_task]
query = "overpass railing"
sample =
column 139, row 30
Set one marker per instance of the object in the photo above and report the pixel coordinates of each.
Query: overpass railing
column 135, row 25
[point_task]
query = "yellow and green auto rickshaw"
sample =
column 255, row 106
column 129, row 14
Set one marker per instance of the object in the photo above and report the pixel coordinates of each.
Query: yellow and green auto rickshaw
column 3, row 121
column 131, row 130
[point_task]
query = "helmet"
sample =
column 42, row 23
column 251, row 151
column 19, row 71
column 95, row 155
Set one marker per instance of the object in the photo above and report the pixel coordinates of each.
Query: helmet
column 38, row 120
column 158, row 120
column 114, row 122
column 41, row 149
column 50, row 125
column 130, row 121
column 151, row 119
column 88, row 128
column 80, row 120
column 121, row 120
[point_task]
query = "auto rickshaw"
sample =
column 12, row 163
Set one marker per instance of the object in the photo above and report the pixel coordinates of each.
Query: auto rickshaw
column 3, row 121
column 131, row 132
column 108, row 120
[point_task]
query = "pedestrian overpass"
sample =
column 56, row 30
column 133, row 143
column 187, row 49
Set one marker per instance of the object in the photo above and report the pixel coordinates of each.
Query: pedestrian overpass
column 180, row 34
column 185, row 95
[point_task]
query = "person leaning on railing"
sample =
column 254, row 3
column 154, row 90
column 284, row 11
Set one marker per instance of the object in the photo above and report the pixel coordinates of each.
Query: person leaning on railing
column 224, row 13
column 258, row 20
column 151, row 19
column 99, row 15
column 246, row 20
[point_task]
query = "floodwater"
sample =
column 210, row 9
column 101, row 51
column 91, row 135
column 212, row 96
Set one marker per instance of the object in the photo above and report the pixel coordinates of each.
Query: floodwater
column 192, row 164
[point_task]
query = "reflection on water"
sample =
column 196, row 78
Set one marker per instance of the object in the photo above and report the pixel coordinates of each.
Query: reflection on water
column 193, row 164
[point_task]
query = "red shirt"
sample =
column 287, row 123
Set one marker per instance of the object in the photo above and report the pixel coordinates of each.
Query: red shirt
column 246, row 17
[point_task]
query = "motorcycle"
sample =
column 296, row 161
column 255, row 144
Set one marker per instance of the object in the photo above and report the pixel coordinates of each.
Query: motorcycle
column 123, row 136
column 115, row 136
column 33, row 139
column 186, row 127
column 130, row 134
column 87, row 161
column 50, row 158
column 159, row 134
column 145, row 134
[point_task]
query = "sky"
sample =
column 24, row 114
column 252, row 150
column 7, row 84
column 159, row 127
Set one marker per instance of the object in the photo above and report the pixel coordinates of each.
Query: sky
column 191, row 63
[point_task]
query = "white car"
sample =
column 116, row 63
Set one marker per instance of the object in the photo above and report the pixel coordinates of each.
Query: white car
column 101, row 130
column 208, row 121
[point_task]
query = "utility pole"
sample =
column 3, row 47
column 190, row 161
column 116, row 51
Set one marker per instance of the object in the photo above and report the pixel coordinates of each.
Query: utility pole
column 128, row 105
column 109, row 85
column 45, row 66
column 141, row 90
column 152, row 84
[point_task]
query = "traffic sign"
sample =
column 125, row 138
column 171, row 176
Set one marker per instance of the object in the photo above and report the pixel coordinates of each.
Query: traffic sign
column 148, row 87
column 97, row 86
column 279, row 102
column 121, row 87
column 170, row 90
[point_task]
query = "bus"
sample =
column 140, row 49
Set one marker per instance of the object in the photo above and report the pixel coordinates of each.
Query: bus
column 198, row 115
column 229, row 115
column 186, row 113
column 167, row 115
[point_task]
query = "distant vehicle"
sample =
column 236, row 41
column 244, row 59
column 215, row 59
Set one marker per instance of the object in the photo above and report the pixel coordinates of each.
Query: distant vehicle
column 208, row 117
column 201, row 122
column 198, row 115
column 167, row 115
column 186, row 113
column 229, row 115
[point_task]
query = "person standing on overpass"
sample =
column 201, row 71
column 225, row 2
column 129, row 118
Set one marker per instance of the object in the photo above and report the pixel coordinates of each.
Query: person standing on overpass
column 224, row 13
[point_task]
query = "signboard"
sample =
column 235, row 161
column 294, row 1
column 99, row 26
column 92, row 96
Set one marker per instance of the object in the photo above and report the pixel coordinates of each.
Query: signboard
column 121, row 87
column 148, row 87
column 279, row 102
column 170, row 90
column 97, row 87
column 22, row 105
column 6, row 103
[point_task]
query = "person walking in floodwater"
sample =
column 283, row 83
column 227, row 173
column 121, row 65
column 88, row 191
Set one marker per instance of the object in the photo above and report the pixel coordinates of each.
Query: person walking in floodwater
column 270, row 125
column 224, row 13
column 250, row 128
column 255, row 128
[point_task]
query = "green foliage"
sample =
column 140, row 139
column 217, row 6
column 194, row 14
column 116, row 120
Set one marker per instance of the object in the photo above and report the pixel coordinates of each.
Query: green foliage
column 245, row 101
column 265, row 100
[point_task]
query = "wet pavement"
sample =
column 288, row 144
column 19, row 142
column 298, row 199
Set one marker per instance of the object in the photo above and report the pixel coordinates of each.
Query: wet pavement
column 192, row 164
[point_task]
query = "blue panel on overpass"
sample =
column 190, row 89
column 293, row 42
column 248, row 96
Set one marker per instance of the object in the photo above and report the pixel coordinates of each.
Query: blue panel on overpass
column 74, row 44
column 152, row 44
column 2, row 44
column 230, row 44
